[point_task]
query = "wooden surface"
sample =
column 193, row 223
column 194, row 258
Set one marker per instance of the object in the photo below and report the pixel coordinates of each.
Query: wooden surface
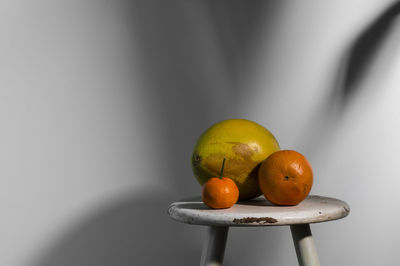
column 259, row 212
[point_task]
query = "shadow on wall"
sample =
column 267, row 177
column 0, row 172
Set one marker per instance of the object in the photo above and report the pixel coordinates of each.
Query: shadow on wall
column 354, row 73
column 191, row 56
column 362, row 53
column 132, row 231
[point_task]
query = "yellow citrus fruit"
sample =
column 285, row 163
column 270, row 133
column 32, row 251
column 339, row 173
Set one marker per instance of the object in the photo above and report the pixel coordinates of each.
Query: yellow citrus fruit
column 244, row 144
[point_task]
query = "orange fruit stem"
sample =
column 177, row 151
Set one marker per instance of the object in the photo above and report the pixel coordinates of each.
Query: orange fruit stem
column 222, row 169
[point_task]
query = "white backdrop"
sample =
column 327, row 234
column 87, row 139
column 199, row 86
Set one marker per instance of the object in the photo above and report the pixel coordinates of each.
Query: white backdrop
column 101, row 103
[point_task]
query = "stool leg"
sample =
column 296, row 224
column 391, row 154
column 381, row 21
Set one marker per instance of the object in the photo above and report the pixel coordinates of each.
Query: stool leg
column 304, row 245
column 214, row 246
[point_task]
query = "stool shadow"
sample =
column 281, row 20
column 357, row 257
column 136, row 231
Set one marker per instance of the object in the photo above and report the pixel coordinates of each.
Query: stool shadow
column 134, row 230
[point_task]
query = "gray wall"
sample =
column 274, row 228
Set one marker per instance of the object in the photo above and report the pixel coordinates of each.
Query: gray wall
column 101, row 103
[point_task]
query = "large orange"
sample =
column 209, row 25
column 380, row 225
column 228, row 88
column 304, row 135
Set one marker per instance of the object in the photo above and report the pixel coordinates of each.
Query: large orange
column 244, row 144
column 285, row 177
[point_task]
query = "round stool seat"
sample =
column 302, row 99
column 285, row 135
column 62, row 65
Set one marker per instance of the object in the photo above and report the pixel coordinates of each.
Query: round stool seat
column 259, row 212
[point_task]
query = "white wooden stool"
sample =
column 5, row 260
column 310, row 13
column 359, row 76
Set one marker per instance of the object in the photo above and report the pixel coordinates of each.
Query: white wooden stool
column 259, row 212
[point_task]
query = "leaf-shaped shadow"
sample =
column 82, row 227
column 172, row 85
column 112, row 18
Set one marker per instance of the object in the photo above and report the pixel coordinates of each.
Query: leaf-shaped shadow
column 365, row 48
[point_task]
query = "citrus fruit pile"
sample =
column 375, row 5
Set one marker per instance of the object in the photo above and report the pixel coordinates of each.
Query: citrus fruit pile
column 238, row 159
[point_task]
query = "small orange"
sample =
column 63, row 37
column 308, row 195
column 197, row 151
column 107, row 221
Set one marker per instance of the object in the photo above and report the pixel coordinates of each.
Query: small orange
column 285, row 177
column 220, row 192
